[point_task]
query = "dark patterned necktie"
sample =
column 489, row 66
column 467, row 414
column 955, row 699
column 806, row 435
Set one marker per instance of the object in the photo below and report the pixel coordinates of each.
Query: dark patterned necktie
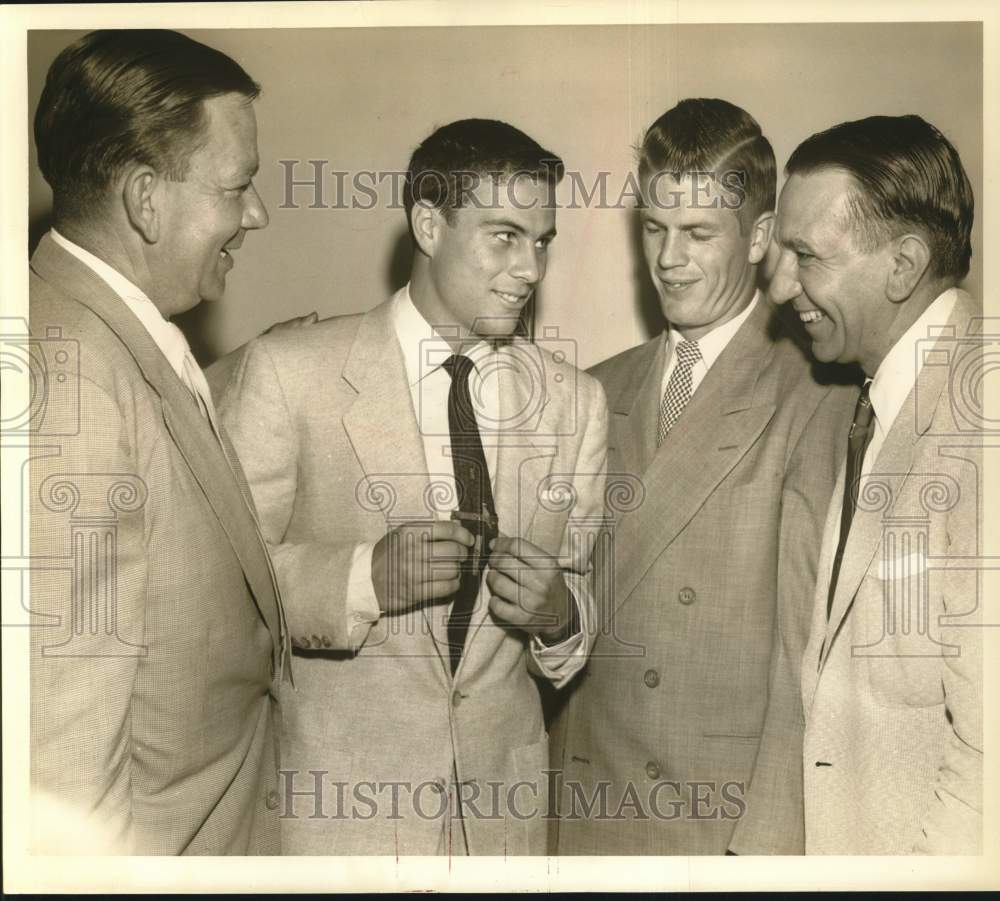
column 678, row 392
column 862, row 429
column 475, row 500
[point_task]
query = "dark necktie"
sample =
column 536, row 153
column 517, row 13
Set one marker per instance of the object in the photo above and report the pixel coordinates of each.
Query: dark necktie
column 861, row 433
column 475, row 500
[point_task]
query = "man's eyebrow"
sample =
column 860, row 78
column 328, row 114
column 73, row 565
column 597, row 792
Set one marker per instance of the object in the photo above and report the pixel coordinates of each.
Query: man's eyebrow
column 796, row 243
column 505, row 223
column 516, row 227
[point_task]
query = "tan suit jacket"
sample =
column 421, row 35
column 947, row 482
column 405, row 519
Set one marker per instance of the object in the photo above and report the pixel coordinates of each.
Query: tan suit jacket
column 693, row 678
column 892, row 681
column 323, row 420
column 157, row 637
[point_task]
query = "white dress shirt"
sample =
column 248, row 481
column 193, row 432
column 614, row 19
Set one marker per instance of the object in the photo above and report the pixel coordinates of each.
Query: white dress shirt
column 167, row 337
column 424, row 353
column 710, row 345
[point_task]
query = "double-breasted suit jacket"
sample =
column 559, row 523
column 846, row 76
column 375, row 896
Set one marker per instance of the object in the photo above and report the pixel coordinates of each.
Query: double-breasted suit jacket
column 688, row 701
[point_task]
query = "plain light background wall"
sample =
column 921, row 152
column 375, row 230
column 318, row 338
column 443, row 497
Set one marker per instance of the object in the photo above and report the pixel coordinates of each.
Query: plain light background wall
column 363, row 98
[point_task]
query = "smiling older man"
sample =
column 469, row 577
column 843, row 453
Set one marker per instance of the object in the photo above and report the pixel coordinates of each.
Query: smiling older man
column 875, row 226
column 158, row 639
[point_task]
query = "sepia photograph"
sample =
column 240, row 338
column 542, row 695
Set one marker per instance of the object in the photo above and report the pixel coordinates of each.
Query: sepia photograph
column 534, row 449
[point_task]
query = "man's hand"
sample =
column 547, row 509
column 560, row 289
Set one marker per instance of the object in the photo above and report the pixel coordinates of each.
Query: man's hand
column 417, row 563
column 528, row 589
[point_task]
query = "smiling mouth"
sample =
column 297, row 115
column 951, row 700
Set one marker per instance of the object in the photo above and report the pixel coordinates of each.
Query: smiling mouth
column 676, row 286
column 234, row 243
column 809, row 316
column 513, row 300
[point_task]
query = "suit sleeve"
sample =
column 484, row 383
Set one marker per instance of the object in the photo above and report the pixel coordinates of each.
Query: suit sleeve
column 88, row 600
column 323, row 583
column 953, row 822
column 773, row 822
column 561, row 662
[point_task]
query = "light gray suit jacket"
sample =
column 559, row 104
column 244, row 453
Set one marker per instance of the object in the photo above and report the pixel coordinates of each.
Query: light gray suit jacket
column 892, row 682
column 323, row 420
column 694, row 676
column 156, row 643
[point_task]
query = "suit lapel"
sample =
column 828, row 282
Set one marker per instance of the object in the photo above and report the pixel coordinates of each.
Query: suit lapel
column 719, row 425
column 880, row 489
column 191, row 433
column 382, row 428
column 636, row 409
column 381, row 424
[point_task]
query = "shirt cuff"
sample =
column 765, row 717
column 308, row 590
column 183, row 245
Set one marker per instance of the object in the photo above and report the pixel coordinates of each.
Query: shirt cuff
column 361, row 609
column 560, row 662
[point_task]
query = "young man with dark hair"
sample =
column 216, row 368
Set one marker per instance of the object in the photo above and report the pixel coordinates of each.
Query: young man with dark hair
column 875, row 224
column 689, row 702
column 158, row 639
column 396, row 457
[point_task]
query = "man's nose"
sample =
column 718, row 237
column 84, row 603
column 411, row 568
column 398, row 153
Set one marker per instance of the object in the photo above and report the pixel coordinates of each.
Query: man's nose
column 527, row 266
column 672, row 252
column 784, row 285
column 254, row 211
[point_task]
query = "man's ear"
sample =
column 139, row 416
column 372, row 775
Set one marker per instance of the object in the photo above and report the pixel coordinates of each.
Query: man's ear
column 910, row 258
column 140, row 198
column 760, row 236
column 426, row 220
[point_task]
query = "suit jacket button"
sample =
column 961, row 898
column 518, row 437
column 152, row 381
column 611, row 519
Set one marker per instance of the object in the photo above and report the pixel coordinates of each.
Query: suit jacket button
column 653, row 769
column 456, row 698
column 686, row 596
column 651, row 678
column 272, row 800
column 304, row 643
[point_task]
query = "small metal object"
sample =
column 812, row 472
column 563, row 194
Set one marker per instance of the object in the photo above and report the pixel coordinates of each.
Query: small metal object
column 484, row 527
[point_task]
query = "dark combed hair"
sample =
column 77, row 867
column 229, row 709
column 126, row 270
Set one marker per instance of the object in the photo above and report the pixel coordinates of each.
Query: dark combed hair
column 458, row 156
column 908, row 176
column 715, row 137
column 116, row 97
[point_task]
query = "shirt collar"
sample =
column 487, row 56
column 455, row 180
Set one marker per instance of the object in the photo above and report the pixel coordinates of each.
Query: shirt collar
column 424, row 350
column 714, row 343
column 898, row 372
column 167, row 337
